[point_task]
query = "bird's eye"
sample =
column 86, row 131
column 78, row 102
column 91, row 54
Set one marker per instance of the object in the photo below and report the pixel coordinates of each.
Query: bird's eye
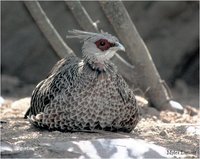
column 103, row 44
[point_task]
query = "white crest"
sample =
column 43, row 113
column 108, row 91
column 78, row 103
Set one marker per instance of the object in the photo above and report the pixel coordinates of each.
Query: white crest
column 80, row 34
column 84, row 34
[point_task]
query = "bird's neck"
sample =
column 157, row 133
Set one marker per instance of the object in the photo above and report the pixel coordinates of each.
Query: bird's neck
column 96, row 65
column 104, row 66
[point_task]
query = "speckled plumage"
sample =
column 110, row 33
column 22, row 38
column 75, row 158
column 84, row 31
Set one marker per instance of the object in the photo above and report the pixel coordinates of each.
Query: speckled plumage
column 78, row 96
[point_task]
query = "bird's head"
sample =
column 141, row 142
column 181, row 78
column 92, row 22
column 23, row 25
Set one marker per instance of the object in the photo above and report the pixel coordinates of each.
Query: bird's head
column 97, row 47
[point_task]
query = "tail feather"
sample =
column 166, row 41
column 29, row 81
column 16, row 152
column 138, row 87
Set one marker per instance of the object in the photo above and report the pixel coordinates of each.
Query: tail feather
column 27, row 114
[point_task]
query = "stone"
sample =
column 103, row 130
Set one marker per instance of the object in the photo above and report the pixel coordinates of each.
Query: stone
column 9, row 150
column 21, row 104
column 193, row 130
column 122, row 148
column 1, row 101
column 163, row 133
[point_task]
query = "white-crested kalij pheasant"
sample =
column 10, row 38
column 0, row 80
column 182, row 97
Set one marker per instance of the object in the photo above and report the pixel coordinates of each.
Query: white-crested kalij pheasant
column 85, row 94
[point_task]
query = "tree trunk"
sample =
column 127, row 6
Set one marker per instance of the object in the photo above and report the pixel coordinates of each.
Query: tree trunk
column 147, row 75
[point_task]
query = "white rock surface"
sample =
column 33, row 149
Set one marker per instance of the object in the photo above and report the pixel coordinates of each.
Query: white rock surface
column 194, row 130
column 21, row 104
column 1, row 100
column 123, row 148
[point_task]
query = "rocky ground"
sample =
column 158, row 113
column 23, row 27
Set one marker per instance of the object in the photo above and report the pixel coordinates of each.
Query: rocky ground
column 158, row 134
column 178, row 133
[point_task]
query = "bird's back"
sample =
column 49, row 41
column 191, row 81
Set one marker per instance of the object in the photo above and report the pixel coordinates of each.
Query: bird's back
column 75, row 97
column 61, row 76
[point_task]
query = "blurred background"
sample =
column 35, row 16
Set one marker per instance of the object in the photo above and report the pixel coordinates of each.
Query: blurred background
column 169, row 29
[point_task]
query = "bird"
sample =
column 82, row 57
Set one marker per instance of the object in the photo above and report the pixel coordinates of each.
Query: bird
column 85, row 94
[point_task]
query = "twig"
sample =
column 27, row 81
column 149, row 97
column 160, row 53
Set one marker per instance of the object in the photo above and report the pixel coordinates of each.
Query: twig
column 48, row 29
column 138, row 53
column 82, row 16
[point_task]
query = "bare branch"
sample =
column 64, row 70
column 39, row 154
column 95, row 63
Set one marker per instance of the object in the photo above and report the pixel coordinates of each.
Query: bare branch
column 48, row 29
column 82, row 16
column 146, row 72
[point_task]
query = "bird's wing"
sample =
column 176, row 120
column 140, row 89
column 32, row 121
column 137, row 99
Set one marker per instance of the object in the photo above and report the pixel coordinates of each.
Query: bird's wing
column 49, row 88
column 125, row 92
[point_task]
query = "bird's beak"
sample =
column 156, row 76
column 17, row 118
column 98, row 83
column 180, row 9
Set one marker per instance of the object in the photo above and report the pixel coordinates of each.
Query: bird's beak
column 120, row 46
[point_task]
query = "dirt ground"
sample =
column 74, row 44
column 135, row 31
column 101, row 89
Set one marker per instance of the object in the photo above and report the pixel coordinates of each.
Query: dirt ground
column 178, row 132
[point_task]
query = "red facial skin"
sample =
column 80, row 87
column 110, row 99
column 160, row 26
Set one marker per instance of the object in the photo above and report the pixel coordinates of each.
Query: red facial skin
column 104, row 44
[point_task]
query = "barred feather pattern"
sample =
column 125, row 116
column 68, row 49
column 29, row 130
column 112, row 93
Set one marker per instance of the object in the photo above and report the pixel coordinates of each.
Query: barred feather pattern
column 77, row 97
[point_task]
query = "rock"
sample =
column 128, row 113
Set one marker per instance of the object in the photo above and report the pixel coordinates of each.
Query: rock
column 9, row 150
column 177, row 106
column 165, row 121
column 163, row 133
column 193, row 130
column 181, row 129
column 191, row 111
column 21, row 104
column 122, row 148
column 141, row 101
column 6, row 147
column 3, row 122
column 1, row 101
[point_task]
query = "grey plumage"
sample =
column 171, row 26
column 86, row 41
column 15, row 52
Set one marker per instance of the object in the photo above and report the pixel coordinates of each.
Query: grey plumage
column 85, row 94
